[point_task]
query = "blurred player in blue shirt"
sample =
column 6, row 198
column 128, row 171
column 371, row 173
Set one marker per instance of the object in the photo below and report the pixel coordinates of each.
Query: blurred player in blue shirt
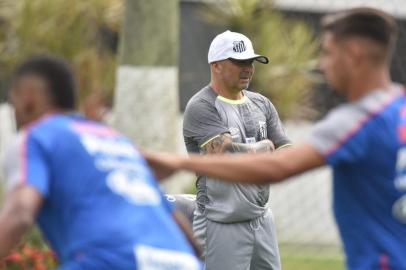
column 90, row 190
column 364, row 140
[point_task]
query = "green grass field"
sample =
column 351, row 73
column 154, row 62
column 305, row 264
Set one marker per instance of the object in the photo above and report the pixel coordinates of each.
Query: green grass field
column 309, row 263
column 305, row 257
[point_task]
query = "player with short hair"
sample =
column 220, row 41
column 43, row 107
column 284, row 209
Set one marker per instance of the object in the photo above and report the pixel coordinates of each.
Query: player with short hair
column 233, row 222
column 90, row 190
column 364, row 140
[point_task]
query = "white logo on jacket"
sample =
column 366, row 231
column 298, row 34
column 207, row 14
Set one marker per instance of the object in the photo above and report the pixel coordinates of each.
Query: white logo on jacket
column 133, row 188
column 151, row 258
column 234, row 132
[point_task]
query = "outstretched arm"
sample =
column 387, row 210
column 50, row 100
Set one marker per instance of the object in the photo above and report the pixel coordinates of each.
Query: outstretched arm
column 17, row 216
column 260, row 168
column 220, row 144
column 247, row 168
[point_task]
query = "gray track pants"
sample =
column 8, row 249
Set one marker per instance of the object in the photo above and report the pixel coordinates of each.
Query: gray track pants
column 250, row 245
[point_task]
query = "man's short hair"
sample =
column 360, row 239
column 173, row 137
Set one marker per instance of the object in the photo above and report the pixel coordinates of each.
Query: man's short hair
column 58, row 76
column 368, row 23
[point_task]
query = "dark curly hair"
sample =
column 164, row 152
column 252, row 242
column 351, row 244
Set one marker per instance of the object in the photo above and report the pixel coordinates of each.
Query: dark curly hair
column 57, row 74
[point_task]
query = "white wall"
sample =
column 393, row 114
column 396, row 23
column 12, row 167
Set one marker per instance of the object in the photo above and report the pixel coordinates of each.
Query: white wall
column 7, row 128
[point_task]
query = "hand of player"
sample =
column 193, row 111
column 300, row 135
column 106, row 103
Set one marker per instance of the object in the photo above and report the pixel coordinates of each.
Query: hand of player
column 163, row 164
column 265, row 146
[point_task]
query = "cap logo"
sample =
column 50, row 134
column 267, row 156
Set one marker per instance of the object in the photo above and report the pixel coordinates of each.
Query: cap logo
column 239, row 46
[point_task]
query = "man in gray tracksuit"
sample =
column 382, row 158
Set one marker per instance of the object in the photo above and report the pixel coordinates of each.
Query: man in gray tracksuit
column 232, row 222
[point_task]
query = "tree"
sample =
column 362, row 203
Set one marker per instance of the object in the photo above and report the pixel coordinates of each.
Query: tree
column 73, row 29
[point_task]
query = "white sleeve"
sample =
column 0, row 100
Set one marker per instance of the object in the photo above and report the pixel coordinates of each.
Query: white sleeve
column 13, row 166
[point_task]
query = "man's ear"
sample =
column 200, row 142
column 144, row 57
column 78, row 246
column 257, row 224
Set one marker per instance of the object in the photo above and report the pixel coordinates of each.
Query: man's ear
column 30, row 97
column 355, row 52
column 27, row 97
column 29, row 107
column 216, row 66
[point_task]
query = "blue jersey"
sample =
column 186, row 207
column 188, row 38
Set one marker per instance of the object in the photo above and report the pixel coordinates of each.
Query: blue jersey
column 363, row 144
column 102, row 207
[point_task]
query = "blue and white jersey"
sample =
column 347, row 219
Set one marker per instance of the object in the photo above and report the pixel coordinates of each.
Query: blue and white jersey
column 365, row 143
column 102, row 206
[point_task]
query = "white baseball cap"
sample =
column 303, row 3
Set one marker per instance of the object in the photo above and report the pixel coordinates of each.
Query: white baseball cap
column 233, row 45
